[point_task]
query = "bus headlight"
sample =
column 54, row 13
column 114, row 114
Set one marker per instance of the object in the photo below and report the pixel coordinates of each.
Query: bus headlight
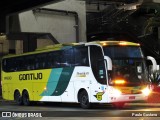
column 146, row 91
column 116, row 92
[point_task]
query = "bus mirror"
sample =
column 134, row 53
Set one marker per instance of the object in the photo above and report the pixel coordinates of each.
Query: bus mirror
column 109, row 62
column 154, row 63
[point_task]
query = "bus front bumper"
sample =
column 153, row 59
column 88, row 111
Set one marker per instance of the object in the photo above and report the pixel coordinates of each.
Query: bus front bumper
column 127, row 98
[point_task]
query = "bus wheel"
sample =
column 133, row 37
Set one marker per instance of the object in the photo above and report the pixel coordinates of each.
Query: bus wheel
column 119, row 105
column 84, row 100
column 18, row 98
column 25, row 98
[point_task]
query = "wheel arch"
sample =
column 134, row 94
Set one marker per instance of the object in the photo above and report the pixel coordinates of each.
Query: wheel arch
column 30, row 92
column 26, row 97
column 17, row 90
column 24, row 91
column 78, row 95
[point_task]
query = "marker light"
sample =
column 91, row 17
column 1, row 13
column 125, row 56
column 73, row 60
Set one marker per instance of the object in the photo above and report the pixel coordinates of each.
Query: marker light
column 146, row 91
column 120, row 81
column 103, row 43
column 45, row 88
column 138, row 44
column 122, row 43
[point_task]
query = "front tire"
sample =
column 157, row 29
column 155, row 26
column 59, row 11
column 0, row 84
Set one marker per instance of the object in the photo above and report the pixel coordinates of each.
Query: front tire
column 84, row 100
column 18, row 98
column 25, row 98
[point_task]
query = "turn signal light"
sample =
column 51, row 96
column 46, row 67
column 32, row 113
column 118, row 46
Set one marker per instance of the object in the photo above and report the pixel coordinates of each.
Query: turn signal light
column 119, row 81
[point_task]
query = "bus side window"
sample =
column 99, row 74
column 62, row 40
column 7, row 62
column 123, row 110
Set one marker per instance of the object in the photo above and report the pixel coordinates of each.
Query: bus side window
column 36, row 63
column 97, row 64
column 50, row 60
column 101, row 70
column 56, row 59
column 67, row 58
column 41, row 61
column 81, row 56
column 4, row 65
column 30, row 62
column 20, row 63
column 12, row 65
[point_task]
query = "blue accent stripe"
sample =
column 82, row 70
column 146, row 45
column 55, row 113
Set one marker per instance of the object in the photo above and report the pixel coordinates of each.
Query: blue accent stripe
column 63, row 81
column 53, row 81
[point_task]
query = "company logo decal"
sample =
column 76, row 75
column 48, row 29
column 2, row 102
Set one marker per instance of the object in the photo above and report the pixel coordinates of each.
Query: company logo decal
column 31, row 76
column 99, row 96
column 82, row 74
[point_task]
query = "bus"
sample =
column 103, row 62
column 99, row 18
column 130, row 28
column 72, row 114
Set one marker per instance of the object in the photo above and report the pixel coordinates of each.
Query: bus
column 111, row 72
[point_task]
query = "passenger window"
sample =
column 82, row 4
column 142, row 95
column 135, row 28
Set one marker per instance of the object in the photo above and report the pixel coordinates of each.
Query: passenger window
column 20, row 63
column 30, row 62
column 41, row 61
column 81, row 56
column 54, row 59
column 67, row 58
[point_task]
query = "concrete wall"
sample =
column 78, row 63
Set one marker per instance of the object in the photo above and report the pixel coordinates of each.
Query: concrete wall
column 19, row 46
column 43, row 42
column 62, row 27
column 3, row 50
column 4, row 45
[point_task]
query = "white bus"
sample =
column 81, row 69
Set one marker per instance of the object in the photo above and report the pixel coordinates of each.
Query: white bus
column 86, row 73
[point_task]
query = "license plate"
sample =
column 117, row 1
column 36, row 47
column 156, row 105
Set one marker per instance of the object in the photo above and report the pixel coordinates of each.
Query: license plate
column 131, row 97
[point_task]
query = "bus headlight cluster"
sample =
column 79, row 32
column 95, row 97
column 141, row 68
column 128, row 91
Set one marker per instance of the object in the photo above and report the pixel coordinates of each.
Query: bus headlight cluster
column 146, row 91
column 116, row 92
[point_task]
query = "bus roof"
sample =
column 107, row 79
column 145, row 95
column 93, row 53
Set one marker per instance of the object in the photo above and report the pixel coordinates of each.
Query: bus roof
column 119, row 43
column 69, row 45
column 47, row 49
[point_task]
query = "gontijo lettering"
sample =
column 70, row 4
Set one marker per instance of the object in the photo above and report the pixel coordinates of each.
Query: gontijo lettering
column 31, row 76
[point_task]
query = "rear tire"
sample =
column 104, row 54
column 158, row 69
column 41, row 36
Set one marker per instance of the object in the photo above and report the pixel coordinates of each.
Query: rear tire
column 25, row 98
column 18, row 98
column 84, row 100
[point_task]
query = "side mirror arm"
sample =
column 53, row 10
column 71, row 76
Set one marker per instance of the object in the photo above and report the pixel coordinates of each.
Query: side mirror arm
column 109, row 62
column 154, row 63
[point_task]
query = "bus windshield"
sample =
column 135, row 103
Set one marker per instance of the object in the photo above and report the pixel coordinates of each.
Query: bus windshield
column 128, row 66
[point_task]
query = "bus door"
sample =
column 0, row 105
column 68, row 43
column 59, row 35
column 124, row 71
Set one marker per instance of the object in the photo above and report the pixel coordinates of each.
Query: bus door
column 99, row 85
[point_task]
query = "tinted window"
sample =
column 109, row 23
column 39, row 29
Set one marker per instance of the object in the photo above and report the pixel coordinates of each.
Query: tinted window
column 20, row 63
column 67, row 58
column 81, row 56
column 9, row 65
column 54, row 59
column 122, row 52
column 97, row 64
column 64, row 58
column 40, row 61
